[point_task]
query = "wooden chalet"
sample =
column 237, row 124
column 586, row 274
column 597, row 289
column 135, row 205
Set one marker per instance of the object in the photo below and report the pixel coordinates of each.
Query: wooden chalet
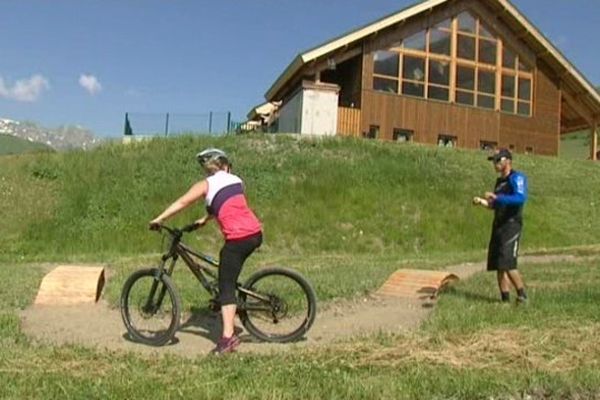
column 466, row 73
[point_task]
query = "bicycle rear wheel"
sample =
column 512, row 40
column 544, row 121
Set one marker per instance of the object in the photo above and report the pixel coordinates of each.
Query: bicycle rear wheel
column 277, row 305
column 150, row 307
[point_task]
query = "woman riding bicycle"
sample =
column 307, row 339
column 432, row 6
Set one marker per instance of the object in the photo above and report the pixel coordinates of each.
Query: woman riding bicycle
column 225, row 201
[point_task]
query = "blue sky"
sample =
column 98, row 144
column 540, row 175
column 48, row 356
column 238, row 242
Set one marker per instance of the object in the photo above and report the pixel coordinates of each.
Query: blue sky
column 88, row 62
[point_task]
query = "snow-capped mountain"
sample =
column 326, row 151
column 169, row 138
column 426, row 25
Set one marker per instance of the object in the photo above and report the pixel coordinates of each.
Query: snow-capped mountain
column 61, row 138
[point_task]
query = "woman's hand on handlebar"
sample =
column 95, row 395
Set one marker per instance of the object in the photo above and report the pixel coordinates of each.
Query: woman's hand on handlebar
column 155, row 224
column 202, row 221
column 197, row 224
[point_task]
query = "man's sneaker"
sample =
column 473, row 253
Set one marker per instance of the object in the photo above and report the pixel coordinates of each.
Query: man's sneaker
column 521, row 300
column 226, row 345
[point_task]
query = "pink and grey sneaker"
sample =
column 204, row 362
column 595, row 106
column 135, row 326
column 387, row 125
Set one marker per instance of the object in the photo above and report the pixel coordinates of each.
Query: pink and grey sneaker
column 226, row 345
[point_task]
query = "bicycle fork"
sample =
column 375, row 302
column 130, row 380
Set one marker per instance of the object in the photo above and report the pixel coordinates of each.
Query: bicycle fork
column 151, row 306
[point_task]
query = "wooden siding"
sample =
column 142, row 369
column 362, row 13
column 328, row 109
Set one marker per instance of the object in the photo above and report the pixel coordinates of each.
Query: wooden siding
column 429, row 118
column 348, row 121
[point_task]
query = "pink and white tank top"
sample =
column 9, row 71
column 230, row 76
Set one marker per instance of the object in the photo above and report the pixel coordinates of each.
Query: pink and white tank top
column 226, row 201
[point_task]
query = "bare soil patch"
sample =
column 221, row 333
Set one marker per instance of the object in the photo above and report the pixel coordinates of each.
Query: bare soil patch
column 101, row 326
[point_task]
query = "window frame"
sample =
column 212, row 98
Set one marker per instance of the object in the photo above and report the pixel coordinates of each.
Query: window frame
column 481, row 99
column 408, row 133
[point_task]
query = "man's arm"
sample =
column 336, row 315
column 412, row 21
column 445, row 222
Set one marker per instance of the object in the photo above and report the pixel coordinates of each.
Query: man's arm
column 518, row 183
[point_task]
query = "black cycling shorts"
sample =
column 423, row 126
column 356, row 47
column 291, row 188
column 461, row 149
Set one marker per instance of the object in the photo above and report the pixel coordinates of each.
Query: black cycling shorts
column 504, row 247
column 232, row 257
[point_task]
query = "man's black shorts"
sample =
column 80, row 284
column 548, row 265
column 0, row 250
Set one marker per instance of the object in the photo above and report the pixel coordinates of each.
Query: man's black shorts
column 504, row 247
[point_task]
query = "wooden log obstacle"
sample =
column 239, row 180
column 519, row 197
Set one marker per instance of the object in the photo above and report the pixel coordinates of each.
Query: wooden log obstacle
column 413, row 283
column 71, row 285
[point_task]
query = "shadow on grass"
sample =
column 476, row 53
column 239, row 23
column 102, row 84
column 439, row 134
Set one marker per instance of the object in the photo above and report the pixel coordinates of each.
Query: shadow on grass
column 472, row 296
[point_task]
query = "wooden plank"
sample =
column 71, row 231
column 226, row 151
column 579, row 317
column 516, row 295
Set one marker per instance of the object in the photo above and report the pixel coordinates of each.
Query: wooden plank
column 348, row 121
column 415, row 283
column 594, row 143
column 70, row 285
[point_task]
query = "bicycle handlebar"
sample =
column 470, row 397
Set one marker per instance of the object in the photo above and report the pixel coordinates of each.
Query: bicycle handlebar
column 176, row 231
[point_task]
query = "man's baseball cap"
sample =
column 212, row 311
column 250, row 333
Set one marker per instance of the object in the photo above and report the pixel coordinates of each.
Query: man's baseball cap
column 500, row 154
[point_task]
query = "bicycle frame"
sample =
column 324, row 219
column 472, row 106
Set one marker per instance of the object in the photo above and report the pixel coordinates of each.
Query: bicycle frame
column 178, row 249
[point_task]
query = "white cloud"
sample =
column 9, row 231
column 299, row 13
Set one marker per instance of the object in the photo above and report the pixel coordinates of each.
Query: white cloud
column 26, row 90
column 90, row 83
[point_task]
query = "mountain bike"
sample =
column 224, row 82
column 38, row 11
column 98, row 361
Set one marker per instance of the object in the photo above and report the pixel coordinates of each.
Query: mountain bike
column 274, row 304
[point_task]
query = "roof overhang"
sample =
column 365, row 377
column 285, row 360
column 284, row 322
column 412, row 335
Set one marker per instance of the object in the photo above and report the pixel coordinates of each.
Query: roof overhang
column 262, row 110
column 346, row 40
column 571, row 79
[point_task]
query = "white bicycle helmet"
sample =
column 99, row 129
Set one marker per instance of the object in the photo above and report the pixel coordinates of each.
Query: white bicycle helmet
column 212, row 154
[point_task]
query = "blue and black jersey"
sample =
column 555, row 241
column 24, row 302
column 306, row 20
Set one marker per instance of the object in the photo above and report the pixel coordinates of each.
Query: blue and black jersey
column 511, row 192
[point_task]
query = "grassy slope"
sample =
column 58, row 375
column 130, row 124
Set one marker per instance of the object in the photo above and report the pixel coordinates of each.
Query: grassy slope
column 334, row 196
column 575, row 146
column 13, row 145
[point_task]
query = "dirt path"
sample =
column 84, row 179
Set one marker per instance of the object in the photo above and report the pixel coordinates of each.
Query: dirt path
column 102, row 327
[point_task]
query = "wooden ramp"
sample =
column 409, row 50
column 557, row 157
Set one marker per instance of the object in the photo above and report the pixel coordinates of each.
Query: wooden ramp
column 415, row 283
column 70, row 285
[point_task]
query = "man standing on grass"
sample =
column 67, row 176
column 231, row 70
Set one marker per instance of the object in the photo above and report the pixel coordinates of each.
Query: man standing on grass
column 507, row 201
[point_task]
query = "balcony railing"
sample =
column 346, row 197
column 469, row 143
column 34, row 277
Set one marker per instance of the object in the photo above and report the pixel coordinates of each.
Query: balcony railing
column 348, row 121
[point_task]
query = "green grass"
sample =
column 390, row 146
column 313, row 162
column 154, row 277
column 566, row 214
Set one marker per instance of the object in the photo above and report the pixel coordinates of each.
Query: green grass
column 560, row 293
column 345, row 213
column 314, row 196
column 575, row 146
column 14, row 145
column 473, row 347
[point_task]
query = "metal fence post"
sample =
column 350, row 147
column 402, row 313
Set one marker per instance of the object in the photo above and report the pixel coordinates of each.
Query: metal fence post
column 127, row 131
column 228, row 122
column 167, row 125
column 210, row 115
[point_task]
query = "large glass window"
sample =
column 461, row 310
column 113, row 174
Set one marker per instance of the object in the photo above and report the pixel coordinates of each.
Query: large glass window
column 438, row 93
column 466, row 47
column 466, row 22
column 413, row 76
column 517, row 79
column 465, row 77
column 466, row 98
column 486, row 82
column 508, row 105
column 523, row 67
column 440, row 38
column 413, row 89
column 508, row 86
column 485, row 32
column 439, row 72
column 508, row 58
column 385, row 85
column 386, row 63
column 417, row 41
column 487, row 51
column 414, row 68
column 439, row 80
column 524, row 89
column 489, row 73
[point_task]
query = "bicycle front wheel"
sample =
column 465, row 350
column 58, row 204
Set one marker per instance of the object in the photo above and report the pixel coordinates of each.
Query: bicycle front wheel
column 277, row 305
column 150, row 307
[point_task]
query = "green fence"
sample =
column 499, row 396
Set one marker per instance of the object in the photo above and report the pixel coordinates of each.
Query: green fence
column 171, row 124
